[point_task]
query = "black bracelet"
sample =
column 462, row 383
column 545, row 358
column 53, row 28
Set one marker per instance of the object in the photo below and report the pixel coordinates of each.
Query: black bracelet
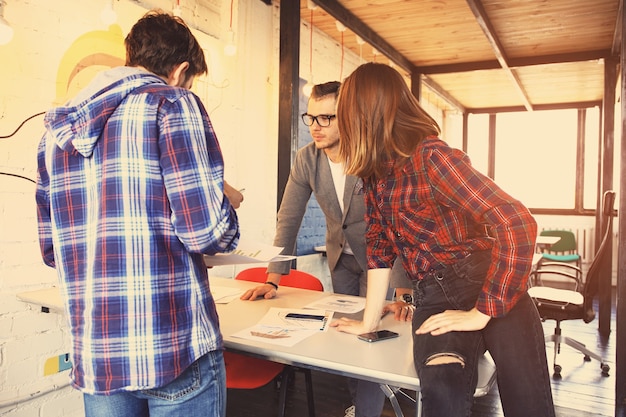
column 272, row 284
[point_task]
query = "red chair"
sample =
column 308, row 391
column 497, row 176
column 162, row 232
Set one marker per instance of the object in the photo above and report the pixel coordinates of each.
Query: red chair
column 245, row 372
column 296, row 279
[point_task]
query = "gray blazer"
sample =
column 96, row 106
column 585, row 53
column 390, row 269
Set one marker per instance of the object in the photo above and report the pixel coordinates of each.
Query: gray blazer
column 311, row 174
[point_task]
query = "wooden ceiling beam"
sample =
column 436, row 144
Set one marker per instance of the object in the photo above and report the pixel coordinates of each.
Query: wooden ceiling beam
column 486, row 26
column 517, row 62
column 551, row 106
column 618, row 33
column 349, row 20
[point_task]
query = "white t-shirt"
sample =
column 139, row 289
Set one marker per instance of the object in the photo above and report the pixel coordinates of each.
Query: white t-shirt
column 339, row 179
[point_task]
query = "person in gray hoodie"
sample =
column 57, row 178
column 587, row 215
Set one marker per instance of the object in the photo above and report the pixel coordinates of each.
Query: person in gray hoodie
column 130, row 195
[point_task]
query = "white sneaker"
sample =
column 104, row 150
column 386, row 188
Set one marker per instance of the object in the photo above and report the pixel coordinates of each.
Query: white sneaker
column 350, row 411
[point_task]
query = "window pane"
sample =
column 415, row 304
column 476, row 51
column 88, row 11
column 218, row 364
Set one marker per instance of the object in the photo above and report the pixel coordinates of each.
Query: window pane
column 592, row 140
column 536, row 157
column 478, row 141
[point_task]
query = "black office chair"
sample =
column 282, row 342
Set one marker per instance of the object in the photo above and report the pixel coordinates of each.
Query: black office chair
column 576, row 301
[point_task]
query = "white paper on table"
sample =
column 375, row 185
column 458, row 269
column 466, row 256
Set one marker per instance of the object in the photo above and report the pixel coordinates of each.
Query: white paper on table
column 224, row 295
column 248, row 252
column 339, row 303
column 276, row 329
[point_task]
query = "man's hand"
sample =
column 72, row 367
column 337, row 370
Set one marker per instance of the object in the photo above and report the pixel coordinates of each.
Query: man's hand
column 454, row 320
column 401, row 311
column 234, row 196
column 266, row 291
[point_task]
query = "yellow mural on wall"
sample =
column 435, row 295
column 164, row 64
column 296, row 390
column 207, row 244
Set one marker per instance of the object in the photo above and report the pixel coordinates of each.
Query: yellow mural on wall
column 87, row 55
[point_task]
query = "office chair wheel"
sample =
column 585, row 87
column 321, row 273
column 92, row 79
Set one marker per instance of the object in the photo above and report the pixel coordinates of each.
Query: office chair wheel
column 557, row 372
column 605, row 369
column 587, row 358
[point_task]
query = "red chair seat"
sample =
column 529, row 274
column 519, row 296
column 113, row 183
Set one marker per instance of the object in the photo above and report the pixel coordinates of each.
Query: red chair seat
column 245, row 372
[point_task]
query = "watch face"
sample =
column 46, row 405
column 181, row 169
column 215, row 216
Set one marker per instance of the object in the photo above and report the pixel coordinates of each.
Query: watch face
column 407, row 298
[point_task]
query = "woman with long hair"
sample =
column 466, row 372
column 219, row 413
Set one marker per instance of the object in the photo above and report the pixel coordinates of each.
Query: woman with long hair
column 466, row 245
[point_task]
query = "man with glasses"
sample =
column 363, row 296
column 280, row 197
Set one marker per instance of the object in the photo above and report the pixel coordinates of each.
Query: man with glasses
column 317, row 170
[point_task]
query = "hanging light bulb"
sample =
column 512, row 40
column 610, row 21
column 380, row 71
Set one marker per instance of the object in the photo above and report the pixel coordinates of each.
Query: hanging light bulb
column 360, row 42
column 6, row 31
column 308, row 87
column 230, row 49
column 375, row 53
column 177, row 11
column 108, row 15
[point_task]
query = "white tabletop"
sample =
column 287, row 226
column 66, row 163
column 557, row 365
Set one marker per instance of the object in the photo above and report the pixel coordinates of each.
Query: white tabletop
column 47, row 298
column 387, row 362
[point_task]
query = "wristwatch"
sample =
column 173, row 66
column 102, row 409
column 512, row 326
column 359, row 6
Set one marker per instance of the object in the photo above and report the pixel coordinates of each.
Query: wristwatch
column 407, row 298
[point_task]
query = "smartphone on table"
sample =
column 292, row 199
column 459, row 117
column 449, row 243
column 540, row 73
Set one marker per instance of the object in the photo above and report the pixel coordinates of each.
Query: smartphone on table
column 300, row 316
column 378, row 336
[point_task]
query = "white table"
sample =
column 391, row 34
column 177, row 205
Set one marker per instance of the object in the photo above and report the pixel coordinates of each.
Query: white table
column 390, row 362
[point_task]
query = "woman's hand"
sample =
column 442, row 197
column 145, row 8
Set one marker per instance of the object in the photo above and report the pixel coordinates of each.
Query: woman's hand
column 454, row 320
column 347, row 325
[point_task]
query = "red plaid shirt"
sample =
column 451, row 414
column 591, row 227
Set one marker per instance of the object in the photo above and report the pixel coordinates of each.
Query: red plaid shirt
column 434, row 209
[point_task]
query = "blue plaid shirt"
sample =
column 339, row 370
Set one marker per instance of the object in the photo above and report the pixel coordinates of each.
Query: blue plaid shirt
column 129, row 198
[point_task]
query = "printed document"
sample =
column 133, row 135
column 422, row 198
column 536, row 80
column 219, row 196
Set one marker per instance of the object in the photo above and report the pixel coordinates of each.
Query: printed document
column 248, row 252
column 277, row 328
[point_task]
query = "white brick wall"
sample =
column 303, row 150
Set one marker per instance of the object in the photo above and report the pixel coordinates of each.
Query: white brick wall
column 241, row 95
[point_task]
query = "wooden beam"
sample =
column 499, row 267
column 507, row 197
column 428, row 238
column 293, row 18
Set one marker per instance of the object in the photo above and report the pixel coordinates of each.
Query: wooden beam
column 349, row 20
column 436, row 88
column 607, row 155
column 516, row 62
column 617, row 35
column 485, row 24
column 620, row 360
column 552, row 106
column 288, row 84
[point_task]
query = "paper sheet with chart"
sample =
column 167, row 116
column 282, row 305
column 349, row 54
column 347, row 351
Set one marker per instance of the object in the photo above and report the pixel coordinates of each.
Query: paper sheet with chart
column 276, row 328
column 339, row 303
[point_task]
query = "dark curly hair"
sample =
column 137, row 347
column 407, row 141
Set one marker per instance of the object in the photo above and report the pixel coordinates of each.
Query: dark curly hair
column 159, row 42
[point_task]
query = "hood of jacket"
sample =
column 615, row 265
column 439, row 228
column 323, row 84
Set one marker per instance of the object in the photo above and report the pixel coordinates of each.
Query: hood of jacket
column 77, row 126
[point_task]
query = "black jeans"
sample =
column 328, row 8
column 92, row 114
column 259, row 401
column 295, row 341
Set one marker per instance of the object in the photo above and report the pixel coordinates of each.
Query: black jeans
column 515, row 341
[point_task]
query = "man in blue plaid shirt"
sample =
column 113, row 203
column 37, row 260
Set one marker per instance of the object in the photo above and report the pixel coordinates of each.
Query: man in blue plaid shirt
column 130, row 195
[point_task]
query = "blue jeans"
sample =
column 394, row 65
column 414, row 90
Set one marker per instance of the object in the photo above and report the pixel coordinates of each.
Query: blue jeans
column 199, row 391
column 515, row 341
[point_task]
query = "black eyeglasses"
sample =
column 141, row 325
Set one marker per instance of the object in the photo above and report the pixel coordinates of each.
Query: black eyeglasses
column 323, row 120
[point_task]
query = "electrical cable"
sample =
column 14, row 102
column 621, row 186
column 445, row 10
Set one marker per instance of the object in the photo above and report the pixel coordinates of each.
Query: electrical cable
column 12, row 134
column 22, row 124
column 18, row 176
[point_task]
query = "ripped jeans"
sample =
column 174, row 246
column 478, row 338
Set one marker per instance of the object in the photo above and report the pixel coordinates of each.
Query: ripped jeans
column 515, row 341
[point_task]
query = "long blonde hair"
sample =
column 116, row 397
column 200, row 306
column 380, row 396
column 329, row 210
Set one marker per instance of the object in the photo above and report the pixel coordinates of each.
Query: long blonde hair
column 379, row 120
